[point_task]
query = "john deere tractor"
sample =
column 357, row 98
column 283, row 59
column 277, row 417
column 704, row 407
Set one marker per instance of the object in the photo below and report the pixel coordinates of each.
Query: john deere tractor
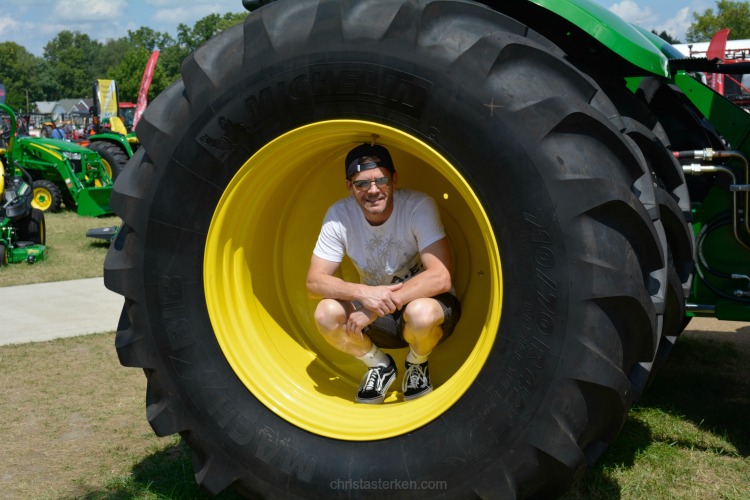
column 62, row 171
column 594, row 191
column 22, row 229
column 112, row 138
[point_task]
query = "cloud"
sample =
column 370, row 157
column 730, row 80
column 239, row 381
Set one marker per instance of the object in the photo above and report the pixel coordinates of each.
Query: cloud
column 678, row 25
column 189, row 14
column 7, row 26
column 631, row 12
column 78, row 11
column 675, row 25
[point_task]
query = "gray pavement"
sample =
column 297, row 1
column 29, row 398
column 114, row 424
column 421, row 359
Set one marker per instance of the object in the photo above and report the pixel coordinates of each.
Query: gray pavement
column 46, row 311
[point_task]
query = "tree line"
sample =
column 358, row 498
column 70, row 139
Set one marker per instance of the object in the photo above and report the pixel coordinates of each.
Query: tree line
column 71, row 61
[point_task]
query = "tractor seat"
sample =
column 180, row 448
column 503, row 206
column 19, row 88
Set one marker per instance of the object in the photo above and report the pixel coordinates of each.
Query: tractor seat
column 24, row 244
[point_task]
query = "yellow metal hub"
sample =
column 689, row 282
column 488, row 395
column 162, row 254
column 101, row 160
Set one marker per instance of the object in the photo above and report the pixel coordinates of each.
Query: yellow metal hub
column 257, row 253
column 42, row 199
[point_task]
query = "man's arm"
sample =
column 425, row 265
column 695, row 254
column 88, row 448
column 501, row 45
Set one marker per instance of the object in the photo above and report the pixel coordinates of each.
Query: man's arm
column 436, row 276
column 323, row 284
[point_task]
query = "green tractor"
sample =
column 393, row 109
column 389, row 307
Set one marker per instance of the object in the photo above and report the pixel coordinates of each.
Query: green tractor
column 62, row 171
column 595, row 193
column 112, row 138
column 22, row 228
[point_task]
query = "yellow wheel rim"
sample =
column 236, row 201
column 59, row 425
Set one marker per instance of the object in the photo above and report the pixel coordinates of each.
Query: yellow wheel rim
column 257, row 253
column 42, row 199
column 108, row 169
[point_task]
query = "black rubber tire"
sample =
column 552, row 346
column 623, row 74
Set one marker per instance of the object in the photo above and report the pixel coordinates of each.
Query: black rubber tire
column 51, row 192
column 112, row 153
column 33, row 228
column 571, row 202
column 3, row 255
column 685, row 127
column 685, row 130
column 643, row 125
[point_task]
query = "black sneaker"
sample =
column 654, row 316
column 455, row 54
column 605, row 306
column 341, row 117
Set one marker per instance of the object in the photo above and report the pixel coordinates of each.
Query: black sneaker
column 416, row 381
column 376, row 382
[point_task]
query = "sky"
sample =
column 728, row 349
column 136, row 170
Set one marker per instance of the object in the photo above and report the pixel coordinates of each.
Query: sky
column 672, row 16
column 33, row 23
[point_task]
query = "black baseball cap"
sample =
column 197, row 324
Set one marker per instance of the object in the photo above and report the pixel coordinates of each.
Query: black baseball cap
column 367, row 156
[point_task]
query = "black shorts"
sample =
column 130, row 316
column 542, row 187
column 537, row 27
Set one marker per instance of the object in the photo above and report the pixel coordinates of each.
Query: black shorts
column 388, row 331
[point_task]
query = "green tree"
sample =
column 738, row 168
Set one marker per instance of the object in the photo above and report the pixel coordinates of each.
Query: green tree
column 70, row 57
column 170, row 60
column 205, row 28
column 19, row 70
column 129, row 73
column 110, row 56
column 729, row 14
column 149, row 39
column 666, row 37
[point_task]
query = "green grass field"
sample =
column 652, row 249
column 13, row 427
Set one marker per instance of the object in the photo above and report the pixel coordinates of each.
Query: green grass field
column 73, row 421
column 70, row 254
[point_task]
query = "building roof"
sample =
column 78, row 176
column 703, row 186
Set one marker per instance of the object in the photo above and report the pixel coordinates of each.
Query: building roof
column 44, row 107
column 64, row 106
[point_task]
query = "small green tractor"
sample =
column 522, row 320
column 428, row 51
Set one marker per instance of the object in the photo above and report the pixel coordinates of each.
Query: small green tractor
column 112, row 138
column 595, row 193
column 22, row 227
column 62, row 171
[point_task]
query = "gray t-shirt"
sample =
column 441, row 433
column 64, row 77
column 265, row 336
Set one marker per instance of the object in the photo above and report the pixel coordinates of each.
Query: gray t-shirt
column 384, row 254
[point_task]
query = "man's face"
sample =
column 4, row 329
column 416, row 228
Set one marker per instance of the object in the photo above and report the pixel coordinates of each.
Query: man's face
column 375, row 201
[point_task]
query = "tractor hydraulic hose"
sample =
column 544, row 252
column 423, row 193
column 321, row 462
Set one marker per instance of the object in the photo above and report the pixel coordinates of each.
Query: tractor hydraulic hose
column 26, row 174
column 702, row 263
column 710, row 155
column 712, row 169
column 704, row 232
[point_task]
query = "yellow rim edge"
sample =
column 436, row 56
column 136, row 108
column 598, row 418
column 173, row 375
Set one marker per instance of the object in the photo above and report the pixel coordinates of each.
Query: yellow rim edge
column 268, row 362
column 42, row 199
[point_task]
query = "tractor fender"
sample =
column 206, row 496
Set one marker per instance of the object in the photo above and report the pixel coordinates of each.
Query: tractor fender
column 574, row 24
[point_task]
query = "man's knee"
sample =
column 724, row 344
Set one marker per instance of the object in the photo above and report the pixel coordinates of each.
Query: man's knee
column 423, row 313
column 329, row 315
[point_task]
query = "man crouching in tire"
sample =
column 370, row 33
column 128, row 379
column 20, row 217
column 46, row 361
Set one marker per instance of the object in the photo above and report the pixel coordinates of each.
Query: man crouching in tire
column 397, row 243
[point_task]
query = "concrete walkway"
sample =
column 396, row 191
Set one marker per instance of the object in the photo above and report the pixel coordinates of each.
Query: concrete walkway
column 46, row 311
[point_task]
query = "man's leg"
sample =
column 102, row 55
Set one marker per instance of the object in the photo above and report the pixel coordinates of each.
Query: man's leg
column 422, row 320
column 330, row 317
column 422, row 330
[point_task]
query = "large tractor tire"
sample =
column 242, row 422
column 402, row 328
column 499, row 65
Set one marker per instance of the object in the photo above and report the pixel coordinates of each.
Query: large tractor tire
column 643, row 126
column 560, row 253
column 47, row 196
column 113, row 155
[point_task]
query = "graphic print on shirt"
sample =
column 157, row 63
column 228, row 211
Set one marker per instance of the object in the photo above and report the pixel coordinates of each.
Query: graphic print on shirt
column 382, row 257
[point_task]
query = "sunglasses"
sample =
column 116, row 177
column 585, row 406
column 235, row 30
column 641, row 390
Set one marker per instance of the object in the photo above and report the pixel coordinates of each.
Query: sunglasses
column 380, row 182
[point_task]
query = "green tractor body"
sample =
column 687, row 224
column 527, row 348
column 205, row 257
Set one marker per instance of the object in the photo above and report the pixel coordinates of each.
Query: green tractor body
column 22, row 227
column 64, row 171
column 14, row 248
column 602, row 43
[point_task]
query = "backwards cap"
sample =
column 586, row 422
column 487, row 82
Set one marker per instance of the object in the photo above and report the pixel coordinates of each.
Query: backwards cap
column 367, row 156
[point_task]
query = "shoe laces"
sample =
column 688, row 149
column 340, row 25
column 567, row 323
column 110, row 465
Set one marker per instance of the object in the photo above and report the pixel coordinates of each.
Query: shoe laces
column 415, row 376
column 375, row 378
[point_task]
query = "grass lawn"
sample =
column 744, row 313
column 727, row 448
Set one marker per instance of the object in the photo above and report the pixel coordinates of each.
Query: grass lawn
column 70, row 254
column 73, row 420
